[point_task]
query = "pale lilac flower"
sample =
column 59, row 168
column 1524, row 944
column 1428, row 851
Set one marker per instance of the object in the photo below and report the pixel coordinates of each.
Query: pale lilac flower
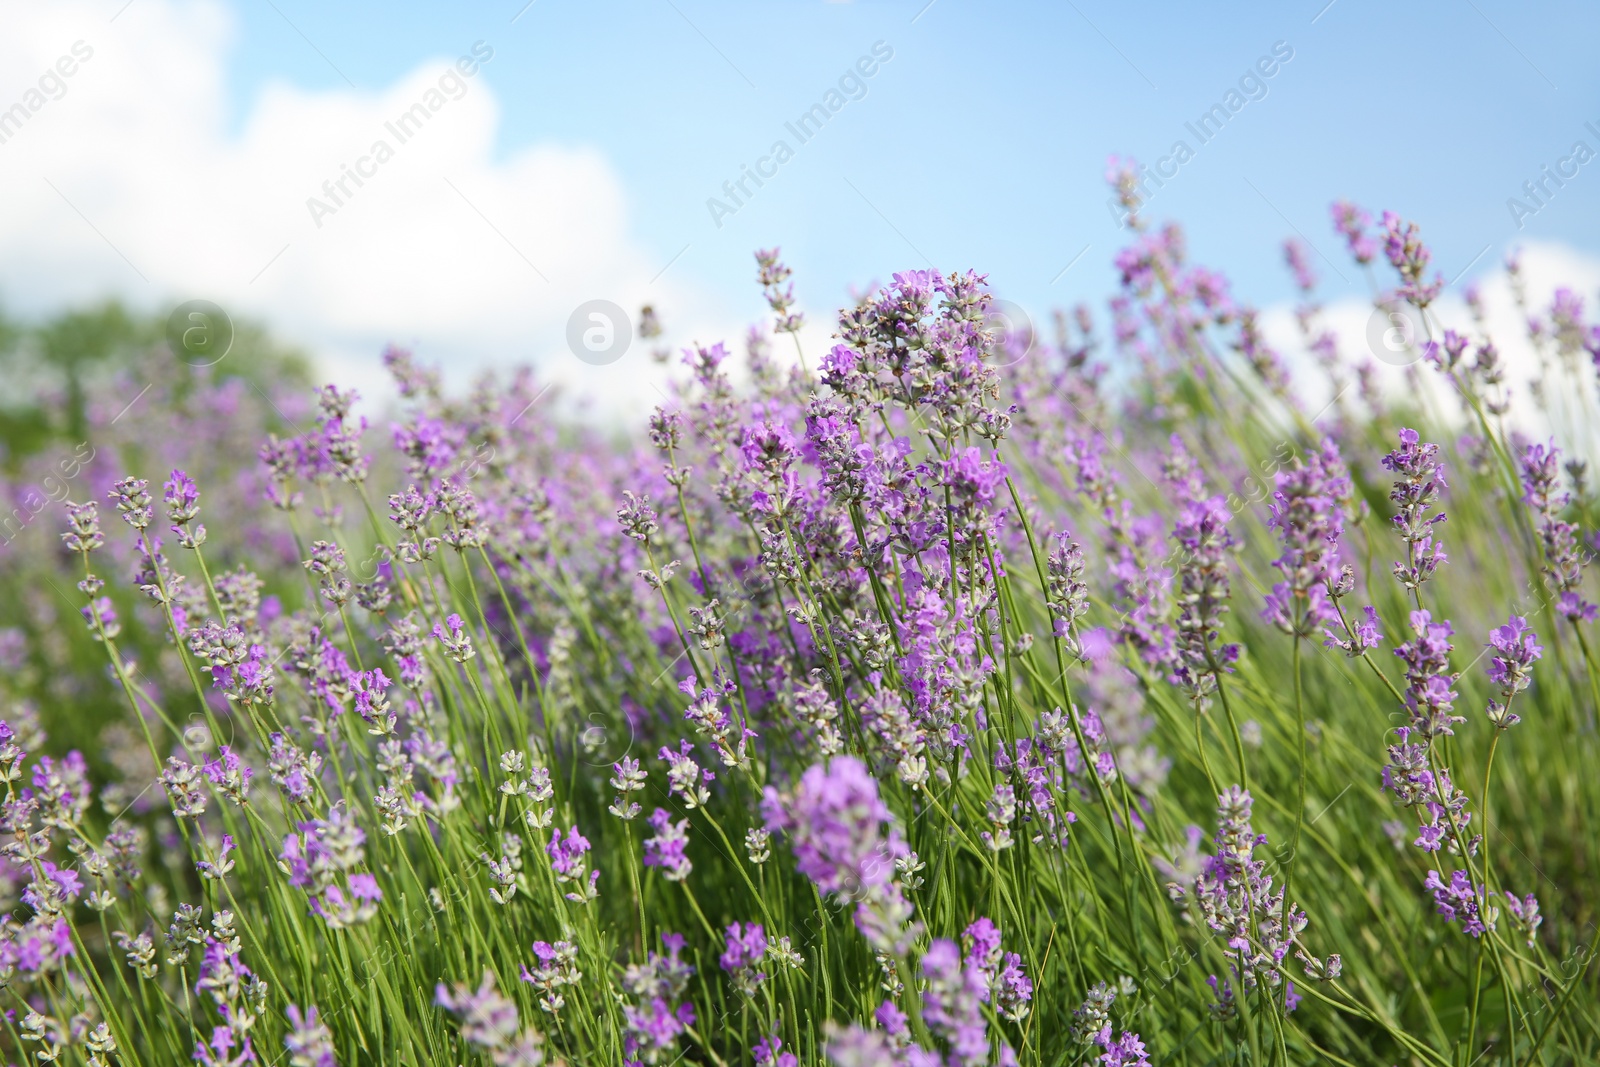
column 1402, row 244
column 844, row 836
column 1417, row 486
column 183, row 505
column 1563, row 563
column 766, row 1053
column 1202, row 599
column 1351, row 222
column 1126, row 1051
column 1306, row 511
column 952, row 1003
column 309, row 1042
column 666, row 848
column 746, row 948
column 132, row 497
column 488, row 1019
column 1429, row 697
column 1525, row 915
column 685, row 779
column 457, row 642
column 1295, row 255
column 83, row 528
column 1457, row 901
column 1512, row 669
column 1364, row 635
column 557, row 967
column 652, row 1022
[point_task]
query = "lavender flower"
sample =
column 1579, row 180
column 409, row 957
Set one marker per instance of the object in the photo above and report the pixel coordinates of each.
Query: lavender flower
column 1419, row 481
column 626, row 779
column 1363, row 635
column 1235, row 898
column 570, row 867
column 490, row 1022
column 667, row 847
column 843, row 835
column 1525, row 915
column 1202, row 535
column 1457, row 901
column 653, row 1024
column 183, row 505
column 83, row 528
column 846, row 842
column 1563, row 564
column 1512, row 669
column 1402, row 244
column 685, row 778
column 1006, row 985
column 1306, row 512
column 557, row 967
column 746, row 948
column 1428, row 677
column 1351, row 223
column 133, row 501
column 309, row 1042
column 952, row 1003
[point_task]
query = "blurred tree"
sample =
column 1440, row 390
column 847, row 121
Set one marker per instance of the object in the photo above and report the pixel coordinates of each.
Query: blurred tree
column 48, row 367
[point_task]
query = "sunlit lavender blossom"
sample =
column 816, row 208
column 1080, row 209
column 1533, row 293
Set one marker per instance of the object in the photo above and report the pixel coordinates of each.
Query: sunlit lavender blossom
column 1428, row 695
column 1202, row 599
column 746, row 948
column 1306, row 513
column 1517, row 648
column 308, row 1042
column 1563, row 563
column 665, row 848
column 1418, row 483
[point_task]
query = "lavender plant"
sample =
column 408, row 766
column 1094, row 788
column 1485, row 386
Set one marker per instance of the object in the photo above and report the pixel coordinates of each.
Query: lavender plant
column 911, row 711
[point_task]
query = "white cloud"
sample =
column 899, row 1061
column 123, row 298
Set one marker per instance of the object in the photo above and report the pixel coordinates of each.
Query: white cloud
column 1546, row 266
column 130, row 184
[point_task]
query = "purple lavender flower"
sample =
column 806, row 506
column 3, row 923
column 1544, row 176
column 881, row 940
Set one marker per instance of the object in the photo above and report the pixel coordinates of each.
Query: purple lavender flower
column 766, row 1053
column 1512, row 669
column 182, row 498
column 1005, row 983
column 667, row 847
column 1306, row 511
column 488, row 1019
column 1351, row 222
column 133, row 500
column 309, row 1042
column 1525, row 915
column 1418, row 483
column 1443, row 808
column 1402, row 244
column 746, row 948
column 557, row 967
column 652, row 1023
column 83, row 528
column 1126, row 1051
column 1202, row 535
column 1364, row 635
column 845, row 840
column 1428, row 676
column 843, row 835
column 1235, row 897
column 1457, row 901
column 952, row 1003
column 1294, row 254
column 1563, row 564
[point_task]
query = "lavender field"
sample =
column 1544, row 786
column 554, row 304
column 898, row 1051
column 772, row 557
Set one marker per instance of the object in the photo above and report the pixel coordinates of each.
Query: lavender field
column 954, row 694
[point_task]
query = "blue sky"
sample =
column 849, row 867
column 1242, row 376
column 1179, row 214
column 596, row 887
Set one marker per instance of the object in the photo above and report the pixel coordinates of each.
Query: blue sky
column 982, row 142
column 577, row 163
